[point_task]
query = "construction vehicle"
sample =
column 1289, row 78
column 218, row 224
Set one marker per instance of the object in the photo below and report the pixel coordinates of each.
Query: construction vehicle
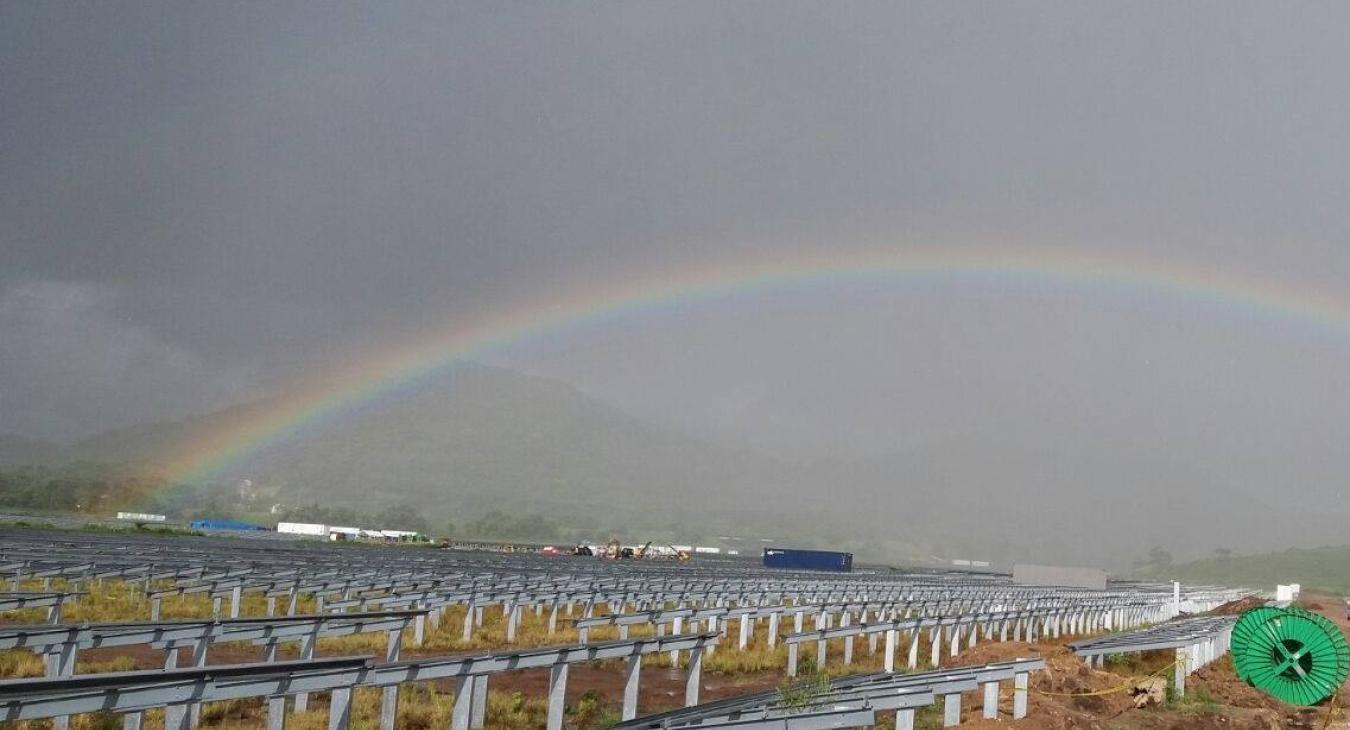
column 682, row 556
column 615, row 550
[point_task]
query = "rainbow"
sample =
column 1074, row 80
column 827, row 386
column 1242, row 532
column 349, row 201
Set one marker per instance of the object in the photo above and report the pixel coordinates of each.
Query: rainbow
column 367, row 380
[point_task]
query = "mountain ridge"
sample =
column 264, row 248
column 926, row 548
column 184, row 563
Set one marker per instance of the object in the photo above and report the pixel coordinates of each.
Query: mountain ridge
column 478, row 439
column 475, row 433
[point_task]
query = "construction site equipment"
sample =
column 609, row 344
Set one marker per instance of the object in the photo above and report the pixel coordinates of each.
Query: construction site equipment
column 1294, row 655
column 616, row 550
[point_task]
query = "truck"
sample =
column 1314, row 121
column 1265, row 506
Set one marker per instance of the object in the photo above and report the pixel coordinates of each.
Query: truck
column 793, row 559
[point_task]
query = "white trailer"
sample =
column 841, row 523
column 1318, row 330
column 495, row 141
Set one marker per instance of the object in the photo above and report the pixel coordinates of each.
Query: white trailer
column 140, row 517
column 302, row 528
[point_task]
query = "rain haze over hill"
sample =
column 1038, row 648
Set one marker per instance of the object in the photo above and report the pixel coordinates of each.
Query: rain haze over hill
column 210, row 208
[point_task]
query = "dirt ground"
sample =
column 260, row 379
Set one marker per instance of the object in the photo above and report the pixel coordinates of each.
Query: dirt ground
column 1217, row 698
column 1071, row 695
column 661, row 688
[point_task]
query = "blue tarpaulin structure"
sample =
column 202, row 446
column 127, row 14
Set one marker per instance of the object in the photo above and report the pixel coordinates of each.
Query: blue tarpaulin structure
column 807, row 559
column 225, row 525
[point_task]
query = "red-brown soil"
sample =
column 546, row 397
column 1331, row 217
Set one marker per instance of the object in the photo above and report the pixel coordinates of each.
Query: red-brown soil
column 1233, row 608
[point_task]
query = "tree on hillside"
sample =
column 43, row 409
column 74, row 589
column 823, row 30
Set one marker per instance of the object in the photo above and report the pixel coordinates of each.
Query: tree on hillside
column 324, row 515
column 401, row 517
column 1157, row 557
column 499, row 525
column 78, row 486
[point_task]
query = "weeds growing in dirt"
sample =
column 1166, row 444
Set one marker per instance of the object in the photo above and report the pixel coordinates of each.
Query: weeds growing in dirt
column 1195, row 702
column 798, row 695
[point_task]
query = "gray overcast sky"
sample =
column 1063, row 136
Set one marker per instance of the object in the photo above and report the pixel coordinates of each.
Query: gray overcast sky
column 199, row 201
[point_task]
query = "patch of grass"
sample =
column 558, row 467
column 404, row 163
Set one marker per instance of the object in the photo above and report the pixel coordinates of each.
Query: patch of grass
column 20, row 663
column 1138, row 664
column 928, row 718
column 608, row 718
column 532, row 631
column 755, row 658
column 139, row 530
column 90, row 721
column 420, row 707
column 98, row 721
column 795, row 696
column 116, row 664
column 1194, row 702
column 311, row 719
column 588, row 709
column 103, row 528
column 218, row 713
column 116, row 600
column 515, row 710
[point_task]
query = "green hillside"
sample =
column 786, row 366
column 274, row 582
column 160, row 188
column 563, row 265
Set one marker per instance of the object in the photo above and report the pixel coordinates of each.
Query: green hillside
column 1324, row 569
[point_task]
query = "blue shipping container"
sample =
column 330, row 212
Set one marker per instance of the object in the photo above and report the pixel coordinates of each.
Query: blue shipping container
column 225, row 525
column 807, row 559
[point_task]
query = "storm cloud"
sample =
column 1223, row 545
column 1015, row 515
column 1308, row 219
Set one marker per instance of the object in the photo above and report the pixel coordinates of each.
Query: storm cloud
column 201, row 202
column 77, row 365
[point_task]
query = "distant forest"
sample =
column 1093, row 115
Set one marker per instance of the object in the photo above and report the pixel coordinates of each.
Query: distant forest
column 84, row 487
column 98, row 489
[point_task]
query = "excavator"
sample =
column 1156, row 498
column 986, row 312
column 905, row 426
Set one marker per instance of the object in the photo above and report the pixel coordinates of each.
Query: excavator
column 616, row 551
